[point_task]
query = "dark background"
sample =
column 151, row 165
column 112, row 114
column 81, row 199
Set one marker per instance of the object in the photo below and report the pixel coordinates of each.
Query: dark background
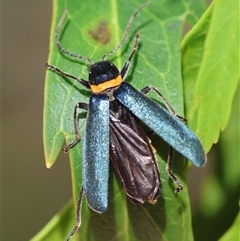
column 31, row 194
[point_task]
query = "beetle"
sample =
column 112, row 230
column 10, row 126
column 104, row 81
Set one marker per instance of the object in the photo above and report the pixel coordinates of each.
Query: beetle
column 115, row 114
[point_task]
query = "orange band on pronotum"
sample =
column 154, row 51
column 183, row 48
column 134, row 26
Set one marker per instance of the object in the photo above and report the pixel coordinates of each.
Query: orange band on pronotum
column 106, row 85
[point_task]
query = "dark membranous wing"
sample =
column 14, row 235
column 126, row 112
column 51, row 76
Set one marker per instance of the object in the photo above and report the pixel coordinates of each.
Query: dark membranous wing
column 132, row 156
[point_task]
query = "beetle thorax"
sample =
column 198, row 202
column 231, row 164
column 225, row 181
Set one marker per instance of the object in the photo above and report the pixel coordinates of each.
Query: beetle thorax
column 104, row 76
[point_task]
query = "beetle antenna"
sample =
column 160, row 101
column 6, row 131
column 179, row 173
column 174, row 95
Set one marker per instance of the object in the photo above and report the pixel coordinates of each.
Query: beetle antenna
column 59, row 45
column 126, row 31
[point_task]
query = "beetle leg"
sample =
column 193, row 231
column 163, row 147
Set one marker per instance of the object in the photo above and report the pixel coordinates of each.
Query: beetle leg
column 78, row 215
column 83, row 106
column 169, row 107
column 170, row 152
column 127, row 64
column 170, row 173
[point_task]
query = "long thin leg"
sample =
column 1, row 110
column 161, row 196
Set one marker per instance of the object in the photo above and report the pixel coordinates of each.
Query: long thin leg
column 169, row 107
column 59, row 45
column 78, row 215
column 170, row 152
column 127, row 64
column 63, row 73
column 83, row 106
column 170, row 173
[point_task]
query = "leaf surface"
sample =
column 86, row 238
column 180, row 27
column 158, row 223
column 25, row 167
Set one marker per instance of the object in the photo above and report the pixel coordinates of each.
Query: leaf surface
column 158, row 63
column 211, row 70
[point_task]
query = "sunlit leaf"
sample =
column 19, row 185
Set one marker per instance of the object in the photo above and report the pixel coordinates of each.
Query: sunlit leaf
column 157, row 62
column 211, row 70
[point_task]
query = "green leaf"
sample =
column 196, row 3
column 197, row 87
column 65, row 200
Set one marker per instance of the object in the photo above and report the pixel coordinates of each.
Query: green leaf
column 58, row 226
column 219, row 193
column 158, row 63
column 211, row 70
column 233, row 232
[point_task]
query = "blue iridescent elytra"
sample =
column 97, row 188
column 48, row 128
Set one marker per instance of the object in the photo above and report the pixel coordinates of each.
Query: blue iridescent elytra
column 96, row 153
column 170, row 128
column 114, row 131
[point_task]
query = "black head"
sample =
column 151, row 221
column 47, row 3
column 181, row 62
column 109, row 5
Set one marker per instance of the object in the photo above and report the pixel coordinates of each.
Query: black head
column 101, row 72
